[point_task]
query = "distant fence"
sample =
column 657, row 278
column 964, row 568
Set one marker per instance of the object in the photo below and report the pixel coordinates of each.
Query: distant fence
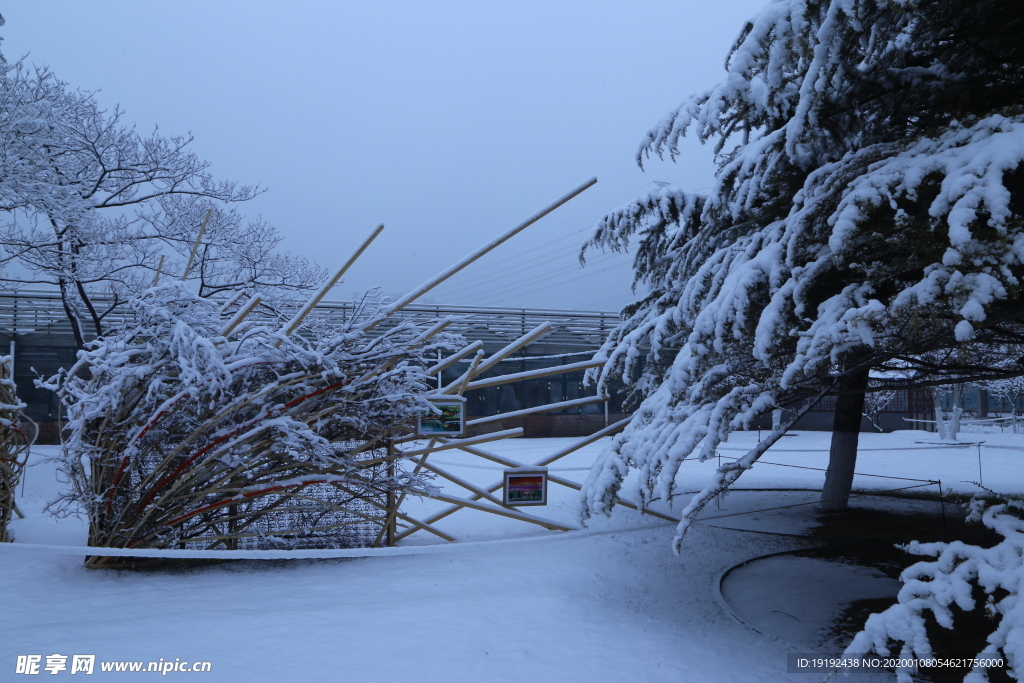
column 545, row 426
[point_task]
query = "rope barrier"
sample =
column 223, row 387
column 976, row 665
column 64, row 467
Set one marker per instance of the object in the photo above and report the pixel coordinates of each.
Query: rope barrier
column 813, row 502
column 822, row 469
column 859, row 450
column 317, row 554
column 177, row 553
column 433, row 549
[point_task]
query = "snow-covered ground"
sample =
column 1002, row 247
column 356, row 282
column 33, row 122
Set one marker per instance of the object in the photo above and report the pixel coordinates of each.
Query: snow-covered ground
column 607, row 603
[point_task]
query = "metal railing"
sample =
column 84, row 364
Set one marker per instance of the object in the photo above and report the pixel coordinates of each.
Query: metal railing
column 26, row 311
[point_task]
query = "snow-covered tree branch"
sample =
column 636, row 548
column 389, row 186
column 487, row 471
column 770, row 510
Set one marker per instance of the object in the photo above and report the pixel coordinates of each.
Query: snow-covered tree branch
column 867, row 208
column 181, row 433
column 959, row 572
column 92, row 204
column 16, row 435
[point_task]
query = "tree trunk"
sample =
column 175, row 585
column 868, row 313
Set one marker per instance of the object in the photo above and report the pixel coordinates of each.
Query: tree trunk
column 941, row 426
column 72, row 314
column 835, row 495
column 958, row 409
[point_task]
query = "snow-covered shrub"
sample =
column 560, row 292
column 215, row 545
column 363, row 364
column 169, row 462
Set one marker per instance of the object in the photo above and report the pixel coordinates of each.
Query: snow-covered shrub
column 180, row 436
column 15, row 440
column 954, row 577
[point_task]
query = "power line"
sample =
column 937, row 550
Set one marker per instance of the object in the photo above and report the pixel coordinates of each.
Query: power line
column 487, row 281
column 489, row 275
column 504, row 285
column 549, row 282
column 524, row 255
column 512, row 276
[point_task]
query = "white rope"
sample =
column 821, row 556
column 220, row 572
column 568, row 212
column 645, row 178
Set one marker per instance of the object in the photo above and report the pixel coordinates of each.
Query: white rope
column 859, row 450
column 324, row 554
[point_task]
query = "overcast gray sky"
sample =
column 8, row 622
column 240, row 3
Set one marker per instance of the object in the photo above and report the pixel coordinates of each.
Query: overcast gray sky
column 449, row 122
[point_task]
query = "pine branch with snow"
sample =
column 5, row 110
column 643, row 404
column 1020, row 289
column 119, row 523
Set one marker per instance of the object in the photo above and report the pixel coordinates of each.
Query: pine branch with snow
column 866, row 209
column 931, row 588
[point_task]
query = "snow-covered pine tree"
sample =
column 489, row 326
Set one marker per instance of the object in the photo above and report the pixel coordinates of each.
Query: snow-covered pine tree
column 961, row 575
column 867, row 207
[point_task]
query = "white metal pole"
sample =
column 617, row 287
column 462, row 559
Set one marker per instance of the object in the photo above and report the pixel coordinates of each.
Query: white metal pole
column 195, row 247
column 441, row 277
column 294, row 323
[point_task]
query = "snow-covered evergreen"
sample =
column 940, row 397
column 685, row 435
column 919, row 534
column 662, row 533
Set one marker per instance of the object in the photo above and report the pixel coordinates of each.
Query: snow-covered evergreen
column 933, row 587
column 866, row 208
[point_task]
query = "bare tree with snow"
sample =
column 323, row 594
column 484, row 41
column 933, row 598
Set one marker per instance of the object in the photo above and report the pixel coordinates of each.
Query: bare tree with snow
column 1010, row 391
column 867, row 208
column 93, row 205
column 875, row 402
column 16, row 435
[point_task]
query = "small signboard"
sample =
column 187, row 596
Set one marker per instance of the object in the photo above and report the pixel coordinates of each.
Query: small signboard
column 451, row 421
column 526, row 487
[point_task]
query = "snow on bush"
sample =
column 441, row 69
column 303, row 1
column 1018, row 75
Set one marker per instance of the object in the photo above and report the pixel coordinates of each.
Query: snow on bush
column 15, row 439
column 180, row 436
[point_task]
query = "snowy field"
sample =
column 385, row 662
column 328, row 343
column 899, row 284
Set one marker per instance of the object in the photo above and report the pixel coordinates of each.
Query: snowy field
column 610, row 602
